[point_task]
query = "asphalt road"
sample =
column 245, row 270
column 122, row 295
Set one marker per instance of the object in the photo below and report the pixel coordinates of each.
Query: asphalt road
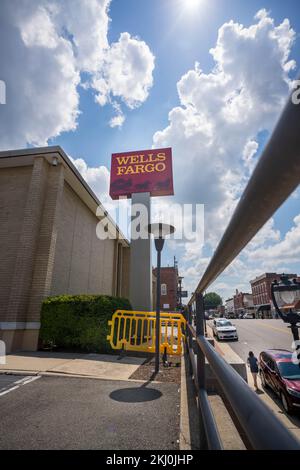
column 73, row 413
column 256, row 335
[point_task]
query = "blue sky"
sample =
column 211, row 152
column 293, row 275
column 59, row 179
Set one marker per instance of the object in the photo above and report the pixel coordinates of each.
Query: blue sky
column 173, row 35
column 178, row 38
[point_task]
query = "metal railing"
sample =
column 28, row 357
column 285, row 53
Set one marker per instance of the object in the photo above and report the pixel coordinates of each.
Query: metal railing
column 275, row 177
column 135, row 331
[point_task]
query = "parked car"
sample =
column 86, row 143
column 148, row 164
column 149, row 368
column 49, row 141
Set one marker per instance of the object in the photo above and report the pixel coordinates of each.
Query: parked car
column 224, row 329
column 278, row 372
column 248, row 316
column 231, row 315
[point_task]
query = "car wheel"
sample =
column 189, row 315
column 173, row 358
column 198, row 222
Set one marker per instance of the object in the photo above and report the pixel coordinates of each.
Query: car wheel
column 285, row 403
column 263, row 380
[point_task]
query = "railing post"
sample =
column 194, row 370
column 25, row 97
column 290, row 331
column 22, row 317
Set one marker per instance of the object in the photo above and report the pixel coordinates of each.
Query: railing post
column 200, row 366
column 190, row 339
column 200, row 332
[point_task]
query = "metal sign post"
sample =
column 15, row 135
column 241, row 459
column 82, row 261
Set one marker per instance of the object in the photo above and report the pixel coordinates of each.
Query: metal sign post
column 140, row 261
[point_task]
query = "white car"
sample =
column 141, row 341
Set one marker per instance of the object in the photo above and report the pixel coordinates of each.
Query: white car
column 224, row 329
column 248, row 316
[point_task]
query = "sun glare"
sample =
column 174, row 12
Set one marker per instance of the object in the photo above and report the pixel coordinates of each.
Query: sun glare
column 192, row 4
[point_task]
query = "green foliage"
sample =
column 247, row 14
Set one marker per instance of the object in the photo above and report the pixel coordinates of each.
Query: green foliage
column 212, row 300
column 79, row 321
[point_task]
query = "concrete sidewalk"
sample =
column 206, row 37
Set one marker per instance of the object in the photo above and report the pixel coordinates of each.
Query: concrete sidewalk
column 100, row 366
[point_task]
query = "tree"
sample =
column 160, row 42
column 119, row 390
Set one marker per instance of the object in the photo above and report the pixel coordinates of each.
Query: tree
column 212, row 300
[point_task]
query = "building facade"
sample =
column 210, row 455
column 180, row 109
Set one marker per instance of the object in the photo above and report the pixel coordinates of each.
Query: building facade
column 169, row 286
column 49, row 244
column 243, row 303
column 229, row 307
column 261, row 291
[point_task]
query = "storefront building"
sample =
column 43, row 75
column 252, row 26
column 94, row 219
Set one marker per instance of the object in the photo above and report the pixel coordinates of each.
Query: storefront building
column 169, row 288
column 261, row 291
column 243, row 303
column 48, row 241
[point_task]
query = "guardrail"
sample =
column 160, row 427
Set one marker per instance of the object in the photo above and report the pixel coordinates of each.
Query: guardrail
column 135, row 331
column 275, row 177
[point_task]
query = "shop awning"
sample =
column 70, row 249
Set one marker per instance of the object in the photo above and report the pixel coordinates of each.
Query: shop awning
column 263, row 307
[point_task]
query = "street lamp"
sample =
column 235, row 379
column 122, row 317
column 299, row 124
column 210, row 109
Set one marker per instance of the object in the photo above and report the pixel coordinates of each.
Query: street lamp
column 180, row 292
column 285, row 295
column 160, row 231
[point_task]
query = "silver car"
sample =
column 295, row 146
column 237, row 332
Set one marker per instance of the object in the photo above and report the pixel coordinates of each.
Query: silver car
column 224, row 329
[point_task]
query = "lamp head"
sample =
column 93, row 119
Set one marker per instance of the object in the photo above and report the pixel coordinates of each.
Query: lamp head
column 160, row 230
column 54, row 160
column 286, row 291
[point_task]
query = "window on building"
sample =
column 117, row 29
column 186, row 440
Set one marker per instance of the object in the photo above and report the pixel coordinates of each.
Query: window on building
column 163, row 289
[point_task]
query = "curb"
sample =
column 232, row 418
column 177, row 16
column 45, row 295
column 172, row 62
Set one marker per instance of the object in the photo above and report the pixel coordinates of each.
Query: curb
column 184, row 426
column 188, row 435
column 67, row 375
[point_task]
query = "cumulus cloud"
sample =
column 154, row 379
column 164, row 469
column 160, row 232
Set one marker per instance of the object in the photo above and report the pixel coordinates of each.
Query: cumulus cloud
column 214, row 131
column 48, row 49
column 286, row 249
column 268, row 252
column 96, row 177
column 249, row 152
column 41, row 77
column 126, row 73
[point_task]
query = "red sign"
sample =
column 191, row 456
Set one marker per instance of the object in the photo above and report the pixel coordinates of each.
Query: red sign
column 140, row 172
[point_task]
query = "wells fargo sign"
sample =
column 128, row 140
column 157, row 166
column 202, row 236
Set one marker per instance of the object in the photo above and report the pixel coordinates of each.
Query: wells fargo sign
column 141, row 171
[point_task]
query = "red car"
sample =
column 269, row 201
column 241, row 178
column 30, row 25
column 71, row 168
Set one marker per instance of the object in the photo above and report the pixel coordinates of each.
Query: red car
column 278, row 372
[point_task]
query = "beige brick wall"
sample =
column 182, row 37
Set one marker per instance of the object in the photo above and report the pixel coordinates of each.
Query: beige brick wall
column 125, row 272
column 14, row 183
column 83, row 263
column 46, row 243
column 48, row 246
column 27, row 243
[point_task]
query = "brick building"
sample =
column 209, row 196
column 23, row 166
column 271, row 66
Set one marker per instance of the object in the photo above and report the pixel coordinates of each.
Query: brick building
column 261, row 290
column 243, row 303
column 169, row 286
column 48, row 241
column 229, row 307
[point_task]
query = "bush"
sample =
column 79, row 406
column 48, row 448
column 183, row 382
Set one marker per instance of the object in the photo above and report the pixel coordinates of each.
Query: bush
column 79, row 321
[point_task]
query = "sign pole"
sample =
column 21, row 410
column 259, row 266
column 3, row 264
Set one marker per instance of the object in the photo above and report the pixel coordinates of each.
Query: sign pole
column 140, row 260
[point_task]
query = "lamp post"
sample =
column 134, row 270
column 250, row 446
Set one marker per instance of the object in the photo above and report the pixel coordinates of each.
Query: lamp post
column 180, row 292
column 285, row 294
column 160, row 231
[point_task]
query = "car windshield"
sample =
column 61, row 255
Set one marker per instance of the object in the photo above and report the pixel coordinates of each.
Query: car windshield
column 289, row 371
column 224, row 323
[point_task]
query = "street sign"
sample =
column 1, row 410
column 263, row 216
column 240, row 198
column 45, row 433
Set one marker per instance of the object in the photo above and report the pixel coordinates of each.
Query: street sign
column 143, row 171
column 184, row 293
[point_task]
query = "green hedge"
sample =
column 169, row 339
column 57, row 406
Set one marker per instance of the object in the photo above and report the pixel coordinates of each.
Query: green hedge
column 79, row 321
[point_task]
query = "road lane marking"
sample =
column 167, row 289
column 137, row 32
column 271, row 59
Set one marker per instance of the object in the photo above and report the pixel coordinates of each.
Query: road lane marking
column 19, row 383
column 9, row 390
column 275, row 328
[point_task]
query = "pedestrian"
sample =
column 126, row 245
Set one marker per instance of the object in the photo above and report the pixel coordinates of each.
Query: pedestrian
column 252, row 361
